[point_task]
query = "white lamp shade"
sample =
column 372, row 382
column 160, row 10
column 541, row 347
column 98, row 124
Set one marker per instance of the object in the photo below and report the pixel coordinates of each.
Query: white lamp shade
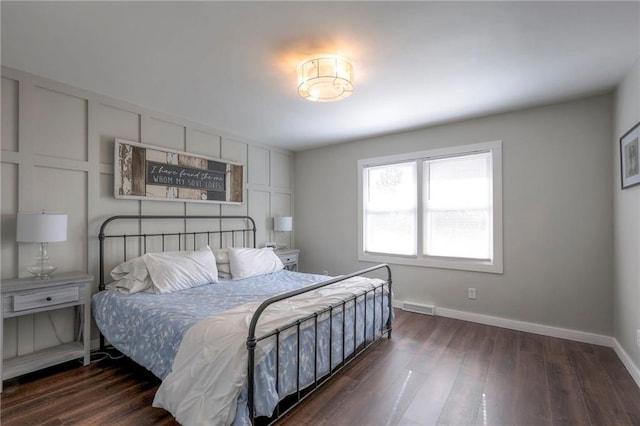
column 41, row 228
column 283, row 224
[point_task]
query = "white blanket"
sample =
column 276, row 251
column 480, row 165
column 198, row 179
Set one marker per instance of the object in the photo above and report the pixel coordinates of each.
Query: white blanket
column 210, row 368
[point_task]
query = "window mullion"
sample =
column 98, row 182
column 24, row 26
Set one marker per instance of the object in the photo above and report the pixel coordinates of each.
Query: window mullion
column 420, row 207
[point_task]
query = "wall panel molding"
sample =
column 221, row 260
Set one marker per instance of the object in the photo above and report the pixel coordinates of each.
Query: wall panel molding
column 9, row 115
column 77, row 179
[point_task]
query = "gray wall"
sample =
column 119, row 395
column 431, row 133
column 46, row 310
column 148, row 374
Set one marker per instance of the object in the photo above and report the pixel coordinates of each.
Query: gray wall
column 57, row 155
column 626, row 315
column 559, row 169
column 558, row 220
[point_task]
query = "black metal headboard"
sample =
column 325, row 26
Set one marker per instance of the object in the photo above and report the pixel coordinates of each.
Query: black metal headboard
column 185, row 240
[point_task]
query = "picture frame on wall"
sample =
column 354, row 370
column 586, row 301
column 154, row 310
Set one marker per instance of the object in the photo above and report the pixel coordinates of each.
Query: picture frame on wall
column 630, row 157
column 147, row 172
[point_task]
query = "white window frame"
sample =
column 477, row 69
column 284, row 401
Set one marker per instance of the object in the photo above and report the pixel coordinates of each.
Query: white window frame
column 493, row 265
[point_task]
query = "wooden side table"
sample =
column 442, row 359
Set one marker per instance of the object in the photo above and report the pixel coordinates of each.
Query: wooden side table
column 25, row 296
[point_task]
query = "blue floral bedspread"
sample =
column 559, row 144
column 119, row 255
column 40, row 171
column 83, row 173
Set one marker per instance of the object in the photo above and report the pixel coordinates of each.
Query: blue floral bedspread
column 148, row 328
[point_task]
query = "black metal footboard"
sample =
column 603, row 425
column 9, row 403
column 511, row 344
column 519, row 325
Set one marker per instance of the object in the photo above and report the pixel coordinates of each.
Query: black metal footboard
column 377, row 297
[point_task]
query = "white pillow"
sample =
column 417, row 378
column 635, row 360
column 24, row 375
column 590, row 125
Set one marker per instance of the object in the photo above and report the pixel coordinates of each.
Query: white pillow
column 223, row 268
column 133, row 266
column 222, row 263
column 175, row 271
column 129, row 285
column 131, row 277
column 249, row 262
column 221, row 255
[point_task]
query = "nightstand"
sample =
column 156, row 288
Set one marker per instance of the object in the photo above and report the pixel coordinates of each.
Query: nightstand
column 25, row 296
column 289, row 258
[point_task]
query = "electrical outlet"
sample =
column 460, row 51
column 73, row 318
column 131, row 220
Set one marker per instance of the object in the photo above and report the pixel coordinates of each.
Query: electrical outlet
column 325, row 272
column 472, row 293
column 638, row 337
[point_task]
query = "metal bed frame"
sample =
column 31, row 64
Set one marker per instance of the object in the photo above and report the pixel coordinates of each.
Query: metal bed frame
column 284, row 406
column 247, row 234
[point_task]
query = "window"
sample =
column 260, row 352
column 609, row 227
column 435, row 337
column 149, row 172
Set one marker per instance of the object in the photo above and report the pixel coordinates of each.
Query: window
column 391, row 209
column 439, row 208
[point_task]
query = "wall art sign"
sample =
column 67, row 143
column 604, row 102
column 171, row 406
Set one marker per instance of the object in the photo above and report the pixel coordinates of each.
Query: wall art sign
column 629, row 160
column 146, row 172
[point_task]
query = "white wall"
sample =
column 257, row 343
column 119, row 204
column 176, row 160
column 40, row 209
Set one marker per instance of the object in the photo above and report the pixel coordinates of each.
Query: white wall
column 57, row 155
column 557, row 166
column 626, row 315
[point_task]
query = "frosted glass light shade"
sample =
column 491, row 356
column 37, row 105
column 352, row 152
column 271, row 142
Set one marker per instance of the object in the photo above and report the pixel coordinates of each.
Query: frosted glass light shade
column 283, row 224
column 325, row 79
column 41, row 228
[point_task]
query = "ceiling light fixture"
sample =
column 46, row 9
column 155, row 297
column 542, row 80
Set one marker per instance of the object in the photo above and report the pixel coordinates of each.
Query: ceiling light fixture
column 325, row 78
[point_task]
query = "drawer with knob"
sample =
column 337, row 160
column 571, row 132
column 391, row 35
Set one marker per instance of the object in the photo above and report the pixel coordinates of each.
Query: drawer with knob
column 32, row 300
column 23, row 302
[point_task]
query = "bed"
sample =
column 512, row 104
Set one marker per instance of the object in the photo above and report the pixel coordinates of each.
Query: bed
column 246, row 348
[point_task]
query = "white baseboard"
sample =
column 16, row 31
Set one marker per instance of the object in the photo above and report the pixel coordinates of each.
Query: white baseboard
column 626, row 360
column 545, row 330
column 529, row 327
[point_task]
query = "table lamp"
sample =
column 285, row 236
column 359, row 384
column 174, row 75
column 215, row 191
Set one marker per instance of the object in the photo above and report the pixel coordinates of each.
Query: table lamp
column 282, row 224
column 41, row 228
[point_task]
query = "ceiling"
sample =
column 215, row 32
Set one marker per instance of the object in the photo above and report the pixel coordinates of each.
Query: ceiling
column 231, row 65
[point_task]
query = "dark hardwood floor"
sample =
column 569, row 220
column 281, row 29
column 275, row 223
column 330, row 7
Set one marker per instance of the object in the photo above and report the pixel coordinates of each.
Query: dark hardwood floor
column 434, row 370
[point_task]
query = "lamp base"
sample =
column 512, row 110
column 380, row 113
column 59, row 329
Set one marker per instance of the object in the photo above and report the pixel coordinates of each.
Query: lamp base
column 41, row 268
column 42, row 271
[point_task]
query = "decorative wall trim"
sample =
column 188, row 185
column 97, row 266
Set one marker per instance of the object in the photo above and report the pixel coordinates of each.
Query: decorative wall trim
column 58, row 155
